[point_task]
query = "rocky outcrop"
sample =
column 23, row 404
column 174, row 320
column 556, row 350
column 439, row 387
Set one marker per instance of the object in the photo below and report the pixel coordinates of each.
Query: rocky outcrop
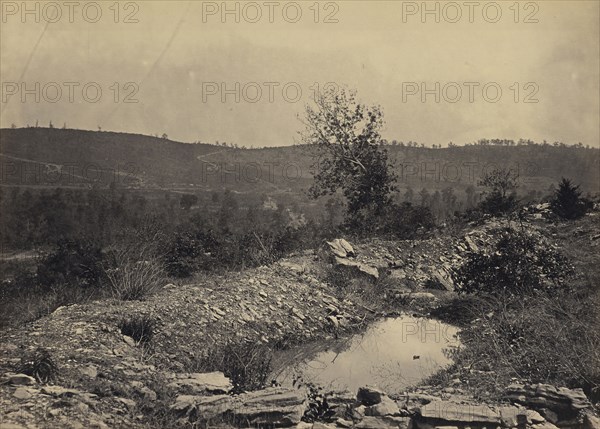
column 272, row 407
column 343, row 255
column 561, row 400
column 341, row 248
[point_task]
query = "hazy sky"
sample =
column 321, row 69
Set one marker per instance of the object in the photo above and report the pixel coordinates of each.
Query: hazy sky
column 180, row 57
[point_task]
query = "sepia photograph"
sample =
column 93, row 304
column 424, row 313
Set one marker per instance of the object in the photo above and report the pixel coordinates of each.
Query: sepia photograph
column 311, row 214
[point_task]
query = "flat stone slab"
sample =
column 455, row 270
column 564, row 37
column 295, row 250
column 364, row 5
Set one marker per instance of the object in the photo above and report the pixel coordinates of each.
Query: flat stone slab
column 454, row 412
column 558, row 399
column 274, row 406
column 18, row 379
column 209, row 382
column 358, row 266
column 383, row 423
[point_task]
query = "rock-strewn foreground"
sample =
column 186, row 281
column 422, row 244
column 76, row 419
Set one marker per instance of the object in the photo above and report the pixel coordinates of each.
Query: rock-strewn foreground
column 275, row 305
column 106, row 379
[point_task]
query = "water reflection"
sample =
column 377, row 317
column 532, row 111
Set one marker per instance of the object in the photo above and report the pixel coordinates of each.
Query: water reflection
column 392, row 354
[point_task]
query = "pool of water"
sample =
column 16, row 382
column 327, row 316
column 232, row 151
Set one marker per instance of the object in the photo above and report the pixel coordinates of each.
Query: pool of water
column 392, row 354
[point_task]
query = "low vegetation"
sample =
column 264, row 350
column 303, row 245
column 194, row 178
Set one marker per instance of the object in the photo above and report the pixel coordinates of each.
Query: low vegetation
column 248, row 365
column 39, row 365
column 140, row 328
column 529, row 312
column 521, row 263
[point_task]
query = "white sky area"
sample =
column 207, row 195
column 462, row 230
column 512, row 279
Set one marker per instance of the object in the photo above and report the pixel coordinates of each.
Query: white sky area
column 181, row 55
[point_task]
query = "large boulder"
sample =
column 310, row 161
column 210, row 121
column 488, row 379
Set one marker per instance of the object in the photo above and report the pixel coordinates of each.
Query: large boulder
column 274, row 406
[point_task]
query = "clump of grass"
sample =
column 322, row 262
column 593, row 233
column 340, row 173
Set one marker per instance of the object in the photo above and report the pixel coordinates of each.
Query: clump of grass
column 135, row 267
column 39, row 365
column 140, row 328
column 135, row 279
column 247, row 364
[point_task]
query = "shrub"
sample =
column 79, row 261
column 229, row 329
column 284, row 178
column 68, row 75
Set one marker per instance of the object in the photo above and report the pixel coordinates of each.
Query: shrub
column 140, row 328
column 406, row 221
column 185, row 254
column 76, row 261
column 318, row 408
column 39, row 365
column 567, row 202
column 497, row 204
column 520, row 263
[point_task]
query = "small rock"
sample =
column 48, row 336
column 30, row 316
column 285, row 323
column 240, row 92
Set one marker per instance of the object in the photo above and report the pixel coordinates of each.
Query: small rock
column 22, row 393
column 369, row 395
column 59, row 391
column 550, row 415
column 90, row 371
column 591, row 422
column 129, row 403
column 20, row 379
column 418, row 295
column 387, row 407
column 83, row 407
column 148, row 394
column 98, row 424
column 534, row 417
column 344, row 423
column 333, row 321
column 54, row 412
column 129, row 341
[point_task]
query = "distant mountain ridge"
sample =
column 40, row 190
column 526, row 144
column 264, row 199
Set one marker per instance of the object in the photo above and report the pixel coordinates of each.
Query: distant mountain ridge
column 66, row 157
